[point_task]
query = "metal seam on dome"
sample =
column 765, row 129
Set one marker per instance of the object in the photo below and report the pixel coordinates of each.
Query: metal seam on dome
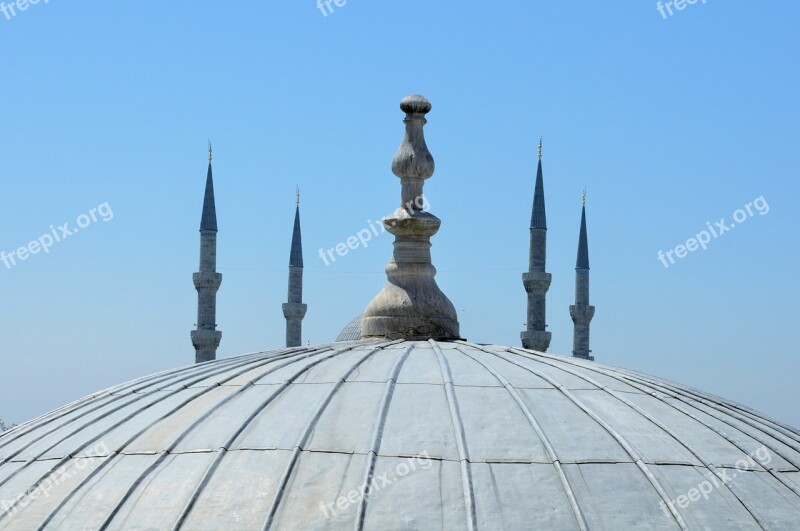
column 212, row 467
column 289, row 360
column 400, row 456
column 261, row 359
column 744, row 409
column 778, row 475
column 306, row 434
column 108, row 393
column 611, row 431
column 707, row 464
column 461, row 438
column 96, row 438
column 551, row 451
column 754, row 423
column 686, row 399
column 769, row 423
column 631, row 377
column 627, row 373
column 52, row 416
column 267, row 357
column 642, row 386
column 377, row 438
column 750, row 419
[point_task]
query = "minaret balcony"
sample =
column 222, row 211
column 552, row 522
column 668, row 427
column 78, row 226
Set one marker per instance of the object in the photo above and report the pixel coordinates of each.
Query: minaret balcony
column 206, row 339
column 293, row 310
column 581, row 313
column 536, row 340
column 207, row 280
column 536, row 282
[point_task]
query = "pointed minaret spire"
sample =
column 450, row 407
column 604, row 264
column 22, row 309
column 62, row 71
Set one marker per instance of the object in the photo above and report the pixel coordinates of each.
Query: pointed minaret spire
column 294, row 310
column 296, row 254
column 206, row 337
column 581, row 312
column 536, row 280
column 208, row 220
column 411, row 306
column 539, row 214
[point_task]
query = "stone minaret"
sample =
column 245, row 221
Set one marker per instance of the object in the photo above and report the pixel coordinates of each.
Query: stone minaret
column 536, row 281
column 207, row 281
column 411, row 306
column 581, row 312
column 294, row 310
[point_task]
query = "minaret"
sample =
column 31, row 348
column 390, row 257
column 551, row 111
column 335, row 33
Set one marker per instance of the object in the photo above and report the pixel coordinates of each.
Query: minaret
column 411, row 306
column 581, row 312
column 294, row 310
column 207, row 281
column 536, row 281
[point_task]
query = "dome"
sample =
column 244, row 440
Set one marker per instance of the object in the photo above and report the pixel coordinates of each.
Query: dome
column 351, row 332
column 438, row 435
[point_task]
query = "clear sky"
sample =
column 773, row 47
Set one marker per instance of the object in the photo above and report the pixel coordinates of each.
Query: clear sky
column 669, row 122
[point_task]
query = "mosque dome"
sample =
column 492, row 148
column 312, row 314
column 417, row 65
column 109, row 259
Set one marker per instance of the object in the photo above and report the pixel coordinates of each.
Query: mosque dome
column 453, row 435
column 408, row 427
column 351, row 332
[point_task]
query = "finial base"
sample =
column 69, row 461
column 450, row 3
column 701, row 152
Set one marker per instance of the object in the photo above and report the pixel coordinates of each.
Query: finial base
column 411, row 305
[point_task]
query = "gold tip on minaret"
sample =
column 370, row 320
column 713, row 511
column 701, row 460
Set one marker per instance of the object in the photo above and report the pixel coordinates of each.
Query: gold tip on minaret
column 540, row 148
column 209, row 151
column 583, row 199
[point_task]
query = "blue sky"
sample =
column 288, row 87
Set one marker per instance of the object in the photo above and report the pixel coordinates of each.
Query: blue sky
column 669, row 123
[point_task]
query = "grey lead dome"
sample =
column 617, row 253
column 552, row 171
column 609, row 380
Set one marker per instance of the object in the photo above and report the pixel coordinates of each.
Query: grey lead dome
column 459, row 435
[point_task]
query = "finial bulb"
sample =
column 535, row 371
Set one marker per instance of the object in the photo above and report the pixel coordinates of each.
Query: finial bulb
column 540, row 148
column 415, row 104
column 209, row 151
column 583, row 198
column 298, row 196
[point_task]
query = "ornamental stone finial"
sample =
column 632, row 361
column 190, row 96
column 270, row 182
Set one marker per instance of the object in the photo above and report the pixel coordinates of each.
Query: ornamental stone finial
column 411, row 305
column 413, row 163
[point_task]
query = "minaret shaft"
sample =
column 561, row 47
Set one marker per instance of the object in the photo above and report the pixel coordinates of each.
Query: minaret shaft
column 294, row 310
column 207, row 282
column 536, row 280
column 582, row 312
column 206, row 337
